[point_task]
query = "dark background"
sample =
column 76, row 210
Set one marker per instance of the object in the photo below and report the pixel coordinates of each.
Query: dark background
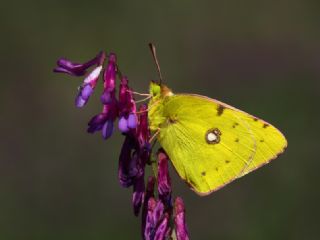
column 58, row 182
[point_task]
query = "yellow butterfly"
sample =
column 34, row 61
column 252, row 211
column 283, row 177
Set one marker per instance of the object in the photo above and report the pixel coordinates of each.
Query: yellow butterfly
column 209, row 142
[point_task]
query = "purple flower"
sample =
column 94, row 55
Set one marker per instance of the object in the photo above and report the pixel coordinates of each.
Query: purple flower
column 87, row 87
column 104, row 120
column 164, row 182
column 154, row 217
column 109, row 79
column 78, row 69
column 150, row 224
column 157, row 221
column 107, row 129
column 148, row 194
column 109, row 75
column 180, row 221
column 96, row 123
column 123, row 125
column 127, row 108
column 129, row 168
column 138, row 195
column 132, row 121
column 143, row 128
column 162, row 230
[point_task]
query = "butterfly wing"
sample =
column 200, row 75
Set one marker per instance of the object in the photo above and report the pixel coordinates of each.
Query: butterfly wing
column 211, row 143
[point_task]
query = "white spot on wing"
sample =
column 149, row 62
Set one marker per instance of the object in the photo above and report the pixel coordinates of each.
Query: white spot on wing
column 212, row 137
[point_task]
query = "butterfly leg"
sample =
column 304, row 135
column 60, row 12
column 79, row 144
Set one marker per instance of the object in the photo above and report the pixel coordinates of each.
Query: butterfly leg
column 154, row 135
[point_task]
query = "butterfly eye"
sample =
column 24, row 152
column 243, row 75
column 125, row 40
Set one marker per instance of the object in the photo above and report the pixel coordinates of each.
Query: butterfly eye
column 213, row 136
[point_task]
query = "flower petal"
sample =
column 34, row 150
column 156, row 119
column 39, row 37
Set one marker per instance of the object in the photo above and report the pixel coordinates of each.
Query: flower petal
column 107, row 129
column 86, row 92
column 132, row 121
column 123, row 125
column 106, row 97
column 96, row 123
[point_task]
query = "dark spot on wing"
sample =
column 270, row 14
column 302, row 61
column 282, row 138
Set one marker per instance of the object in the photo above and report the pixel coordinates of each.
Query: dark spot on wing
column 236, row 140
column 220, row 109
column 203, row 173
column 235, row 124
column 265, row 125
column 255, row 119
column 227, row 161
column 217, row 169
column 261, row 140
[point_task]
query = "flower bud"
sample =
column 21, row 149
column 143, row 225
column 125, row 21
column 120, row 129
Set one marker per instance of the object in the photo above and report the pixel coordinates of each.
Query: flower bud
column 164, row 182
column 180, row 221
column 138, row 194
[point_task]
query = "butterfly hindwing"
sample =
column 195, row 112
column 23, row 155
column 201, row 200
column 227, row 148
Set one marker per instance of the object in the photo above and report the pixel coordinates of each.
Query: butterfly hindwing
column 210, row 143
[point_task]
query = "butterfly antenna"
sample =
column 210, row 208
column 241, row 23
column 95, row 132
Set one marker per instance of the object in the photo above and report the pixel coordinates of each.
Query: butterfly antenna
column 154, row 55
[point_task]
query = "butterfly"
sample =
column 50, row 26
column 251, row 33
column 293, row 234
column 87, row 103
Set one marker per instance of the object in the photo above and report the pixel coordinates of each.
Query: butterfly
column 209, row 142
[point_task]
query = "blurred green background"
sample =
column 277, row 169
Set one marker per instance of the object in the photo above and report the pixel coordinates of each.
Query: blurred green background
column 58, row 182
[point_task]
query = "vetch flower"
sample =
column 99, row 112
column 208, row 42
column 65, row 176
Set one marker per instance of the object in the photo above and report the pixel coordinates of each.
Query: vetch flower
column 104, row 120
column 150, row 221
column 128, row 162
column 138, row 194
column 78, row 69
column 162, row 230
column 148, row 194
column 180, row 221
column 126, row 100
column 154, row 217
column 157, row 218
column 87, row 87
column 109, row 79
column 164, row 182
column 143, row 128
column 127, row 107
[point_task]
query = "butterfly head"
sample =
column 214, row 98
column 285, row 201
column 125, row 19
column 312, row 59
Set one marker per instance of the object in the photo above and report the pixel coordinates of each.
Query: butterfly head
column 158, row 91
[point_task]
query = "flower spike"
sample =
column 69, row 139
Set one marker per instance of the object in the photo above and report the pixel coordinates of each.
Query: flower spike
column 158, row 215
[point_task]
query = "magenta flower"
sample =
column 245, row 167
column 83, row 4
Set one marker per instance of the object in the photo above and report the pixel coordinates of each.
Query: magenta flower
column 128, row 117
column 109, row 80
column 104, row 120
column 162, row 230
column 180, row 221
column 128, row 162
column 148, row 194
column 78, row 69
column 164, row 182
column 138, row 194
column 154, row 222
